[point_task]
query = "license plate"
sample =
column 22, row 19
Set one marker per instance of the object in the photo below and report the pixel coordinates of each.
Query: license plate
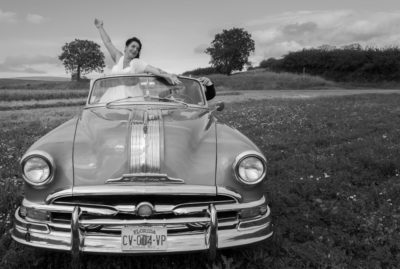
column 143, row 238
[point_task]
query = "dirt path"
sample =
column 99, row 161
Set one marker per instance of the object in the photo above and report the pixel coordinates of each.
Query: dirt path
column 272, row 94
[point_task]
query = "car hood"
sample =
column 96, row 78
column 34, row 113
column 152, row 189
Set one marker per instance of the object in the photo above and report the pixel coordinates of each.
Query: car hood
column 112, row 144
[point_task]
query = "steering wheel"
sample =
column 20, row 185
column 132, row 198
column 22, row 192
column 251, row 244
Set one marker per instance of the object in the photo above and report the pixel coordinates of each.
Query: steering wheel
column 182, row 96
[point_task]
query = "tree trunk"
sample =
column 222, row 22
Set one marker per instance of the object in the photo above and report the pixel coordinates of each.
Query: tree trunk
column 78, row 73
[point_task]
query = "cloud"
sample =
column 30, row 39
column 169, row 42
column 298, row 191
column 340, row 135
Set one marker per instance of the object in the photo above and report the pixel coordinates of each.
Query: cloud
column 277, row 35
column 200, row 48
column 35, row 18
column 26, row 64
column 7, row 16
column 22, row 60
column 32, row 71
column 7, row 69
column 299, row 28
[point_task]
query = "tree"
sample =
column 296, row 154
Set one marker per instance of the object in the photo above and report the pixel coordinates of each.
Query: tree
column 82, row 57
column 354, row 46
column 269, row 63
column 326, row 47
column 230, row 50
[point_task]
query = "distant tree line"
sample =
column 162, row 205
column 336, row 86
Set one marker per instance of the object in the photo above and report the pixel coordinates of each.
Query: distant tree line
column 347, row 63
column 198, row 72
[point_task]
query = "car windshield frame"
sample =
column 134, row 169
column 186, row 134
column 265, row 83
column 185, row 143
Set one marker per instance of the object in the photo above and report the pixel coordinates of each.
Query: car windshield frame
column 152, row 102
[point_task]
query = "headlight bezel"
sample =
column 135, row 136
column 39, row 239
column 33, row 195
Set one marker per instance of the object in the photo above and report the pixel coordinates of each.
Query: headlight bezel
column 242, row 156
column 46, row 158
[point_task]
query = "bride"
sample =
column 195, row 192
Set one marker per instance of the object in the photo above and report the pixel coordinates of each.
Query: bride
column 129, row 62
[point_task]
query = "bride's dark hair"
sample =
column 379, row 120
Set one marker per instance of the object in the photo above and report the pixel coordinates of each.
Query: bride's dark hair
column 134, row 39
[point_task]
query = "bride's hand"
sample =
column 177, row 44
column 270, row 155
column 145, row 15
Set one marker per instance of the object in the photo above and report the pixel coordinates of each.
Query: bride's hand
column 98, row 23
column 172, row 79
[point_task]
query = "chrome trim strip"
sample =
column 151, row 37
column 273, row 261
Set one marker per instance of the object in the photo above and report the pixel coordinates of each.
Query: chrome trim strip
column 143, row 221
column 146, row 104
column 162, row 137
column 30, row 226
column 145, row 177
column 152, row 137
column 59, row 208
column 143, row 189
column 145, row 143
column 124, row 189
column 238, row 206
column 58, row 194
column 265, row 220
column 228, row 192
column 220, row 207
column 137, row 146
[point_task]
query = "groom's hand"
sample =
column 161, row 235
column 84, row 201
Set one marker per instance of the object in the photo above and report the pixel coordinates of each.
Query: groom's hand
column 205, row 81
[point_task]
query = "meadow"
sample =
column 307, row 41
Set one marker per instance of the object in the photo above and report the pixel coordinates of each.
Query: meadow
column 24, row 94
column 332, row 184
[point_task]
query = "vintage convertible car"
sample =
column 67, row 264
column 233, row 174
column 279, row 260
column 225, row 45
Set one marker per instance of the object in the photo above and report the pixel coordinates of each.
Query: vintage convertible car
column 144, row 168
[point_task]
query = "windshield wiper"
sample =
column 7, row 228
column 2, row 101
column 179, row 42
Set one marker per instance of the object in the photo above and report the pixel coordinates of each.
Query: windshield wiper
column 149, row 96
column 122, row 99
column 167, row 99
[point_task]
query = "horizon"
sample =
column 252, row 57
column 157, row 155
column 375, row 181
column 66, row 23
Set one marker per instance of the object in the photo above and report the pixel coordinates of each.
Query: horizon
column 32, row 35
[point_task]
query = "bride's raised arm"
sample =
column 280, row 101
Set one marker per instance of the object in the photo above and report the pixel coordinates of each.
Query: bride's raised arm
column 114, row 52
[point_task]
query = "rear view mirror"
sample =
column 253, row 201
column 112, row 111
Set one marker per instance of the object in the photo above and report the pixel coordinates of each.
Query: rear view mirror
column 219, row 106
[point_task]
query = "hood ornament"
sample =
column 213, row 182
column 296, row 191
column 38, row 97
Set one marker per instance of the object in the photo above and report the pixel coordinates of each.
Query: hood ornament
column 145, row 178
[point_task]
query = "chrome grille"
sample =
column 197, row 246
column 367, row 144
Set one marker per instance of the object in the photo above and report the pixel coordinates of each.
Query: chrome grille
column 111, row 200
column 226, row 219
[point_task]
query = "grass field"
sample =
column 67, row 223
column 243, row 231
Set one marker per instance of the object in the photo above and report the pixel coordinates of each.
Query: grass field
column 333, row 184
column 27, row 94
column 30, row 104
column 8, row 83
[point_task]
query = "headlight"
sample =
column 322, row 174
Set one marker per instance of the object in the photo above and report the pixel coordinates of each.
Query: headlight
column 37, row 168
column 250, row 167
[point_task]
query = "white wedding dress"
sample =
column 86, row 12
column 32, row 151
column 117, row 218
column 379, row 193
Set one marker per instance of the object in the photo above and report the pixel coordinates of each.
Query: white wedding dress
column 136, row 66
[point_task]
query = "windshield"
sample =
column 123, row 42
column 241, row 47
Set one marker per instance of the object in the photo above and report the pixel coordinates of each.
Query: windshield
column 142, row 89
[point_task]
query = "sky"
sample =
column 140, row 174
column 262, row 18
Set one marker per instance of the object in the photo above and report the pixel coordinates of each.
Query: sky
column 175, row 33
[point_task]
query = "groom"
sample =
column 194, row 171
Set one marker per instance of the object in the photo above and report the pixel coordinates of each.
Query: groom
column 210, row 89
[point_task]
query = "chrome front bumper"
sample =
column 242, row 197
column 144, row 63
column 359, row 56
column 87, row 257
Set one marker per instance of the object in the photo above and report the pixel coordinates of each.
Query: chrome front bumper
column 76, row 238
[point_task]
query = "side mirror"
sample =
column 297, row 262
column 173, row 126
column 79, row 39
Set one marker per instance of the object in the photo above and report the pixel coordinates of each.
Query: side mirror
column 219, row 106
